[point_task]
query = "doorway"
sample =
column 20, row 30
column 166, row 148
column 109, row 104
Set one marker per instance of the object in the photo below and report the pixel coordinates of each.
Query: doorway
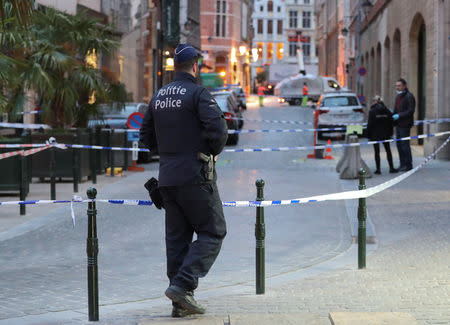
column 421, row 78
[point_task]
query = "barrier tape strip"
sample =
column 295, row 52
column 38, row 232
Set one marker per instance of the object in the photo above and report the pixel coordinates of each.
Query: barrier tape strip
column 23, row 126
column 22, row 145
column 442, row 120
column 30, row 112
column 24, row 153
column 284, row 130
column 341, row 145
column 348, row 195
column 432, row 121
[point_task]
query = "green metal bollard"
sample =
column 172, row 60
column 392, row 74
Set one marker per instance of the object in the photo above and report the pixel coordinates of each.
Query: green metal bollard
column 23, row 183
column 362, row 216
column 92, row 253
column 75, row 163
column 92, row 155
column 111, row 152
column 52, row 174
column 260, row 234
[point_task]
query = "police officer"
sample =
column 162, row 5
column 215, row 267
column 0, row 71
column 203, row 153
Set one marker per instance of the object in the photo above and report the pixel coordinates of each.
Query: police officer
column 186, row 127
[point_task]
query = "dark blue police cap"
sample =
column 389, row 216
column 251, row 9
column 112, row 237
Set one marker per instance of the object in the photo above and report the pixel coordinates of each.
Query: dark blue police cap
column 184, row 52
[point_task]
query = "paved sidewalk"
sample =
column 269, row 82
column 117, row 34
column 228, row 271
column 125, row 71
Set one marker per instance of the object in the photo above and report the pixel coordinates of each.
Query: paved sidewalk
column 408, row 270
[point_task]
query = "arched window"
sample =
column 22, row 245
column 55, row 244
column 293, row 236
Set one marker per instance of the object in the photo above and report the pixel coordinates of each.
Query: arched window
column 270, row 6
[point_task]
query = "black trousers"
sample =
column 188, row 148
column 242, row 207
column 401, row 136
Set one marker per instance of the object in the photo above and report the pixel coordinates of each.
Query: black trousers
column 403, row 147
column 190, row 208
column 387, row 147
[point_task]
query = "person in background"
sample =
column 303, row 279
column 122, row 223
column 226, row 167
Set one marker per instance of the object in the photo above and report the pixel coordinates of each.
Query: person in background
column 261, row 95
column 380, row 126
column 405, row 104
column 305, row 95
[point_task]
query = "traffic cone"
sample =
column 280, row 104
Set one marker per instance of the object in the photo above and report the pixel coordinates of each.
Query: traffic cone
column 328, row 151
column 135, row 168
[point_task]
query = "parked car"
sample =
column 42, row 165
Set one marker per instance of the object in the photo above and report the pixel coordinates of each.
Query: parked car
column 234, row 103
column 240, row 93
column 227, row 105
column 116, row 118
column 337, row 109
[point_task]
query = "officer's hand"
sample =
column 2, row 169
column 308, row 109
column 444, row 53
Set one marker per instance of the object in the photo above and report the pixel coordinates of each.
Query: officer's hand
column 395, row 117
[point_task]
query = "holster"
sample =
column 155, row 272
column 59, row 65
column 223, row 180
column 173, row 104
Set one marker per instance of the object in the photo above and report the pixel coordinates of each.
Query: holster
column 208, row 167
column 152, row 187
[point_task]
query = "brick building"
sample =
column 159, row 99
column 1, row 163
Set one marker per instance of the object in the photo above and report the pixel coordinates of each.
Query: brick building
column 226, row 36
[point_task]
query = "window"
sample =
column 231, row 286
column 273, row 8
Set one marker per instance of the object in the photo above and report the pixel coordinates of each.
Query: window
column 260, row 47
column 292, row 19
column 340, row 101
column 280, row 51
column 280, row 27
column 221, row 18
column 244, row 22
column 306, row 49
column 261, row 8
column 292, row 48
column 306, row 2
column 278, row 9
column 260, row 26
column 270, row 27
column 269, row 52
column 270, row 6
column 306, row 19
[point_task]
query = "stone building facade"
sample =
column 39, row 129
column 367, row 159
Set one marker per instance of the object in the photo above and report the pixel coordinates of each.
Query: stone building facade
column 406, row 39
column 330, row 17
column 399, row 39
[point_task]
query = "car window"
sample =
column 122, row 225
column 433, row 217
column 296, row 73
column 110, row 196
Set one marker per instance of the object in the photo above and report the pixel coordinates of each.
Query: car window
column 222, row 102
column 125, row 112
column 340, row 101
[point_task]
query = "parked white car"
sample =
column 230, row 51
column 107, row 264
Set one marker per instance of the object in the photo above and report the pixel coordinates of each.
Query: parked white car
column 337, row 109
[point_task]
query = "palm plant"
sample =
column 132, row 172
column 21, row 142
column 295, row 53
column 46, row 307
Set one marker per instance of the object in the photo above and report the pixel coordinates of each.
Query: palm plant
column 21, row 9
column 49, row 58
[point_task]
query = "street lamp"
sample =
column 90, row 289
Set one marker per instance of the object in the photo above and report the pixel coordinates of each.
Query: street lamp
column 366, row 6
column 344, row 31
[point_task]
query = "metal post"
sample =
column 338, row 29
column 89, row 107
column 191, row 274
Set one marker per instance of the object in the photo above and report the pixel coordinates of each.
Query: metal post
column 111, row 153
column 260, row 234
column 92, row 253
column 362, row 222
column 125, row 153
column 98, row 153
column 23, row 179
column 92, row 154
column 52, row 174
column 75, row 163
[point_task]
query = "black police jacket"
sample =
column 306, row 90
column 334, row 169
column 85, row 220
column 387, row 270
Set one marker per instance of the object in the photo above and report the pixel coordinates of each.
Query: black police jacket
column 405, row 110
column 380, row 124
column 182, row 120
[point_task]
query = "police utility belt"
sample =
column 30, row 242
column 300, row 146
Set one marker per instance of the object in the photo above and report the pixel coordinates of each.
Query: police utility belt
column 208, row 167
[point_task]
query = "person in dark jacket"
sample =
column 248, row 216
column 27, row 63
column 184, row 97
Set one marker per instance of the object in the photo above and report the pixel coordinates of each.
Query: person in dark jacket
column 380, row 127
column 186, row 127
column 405, row 104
